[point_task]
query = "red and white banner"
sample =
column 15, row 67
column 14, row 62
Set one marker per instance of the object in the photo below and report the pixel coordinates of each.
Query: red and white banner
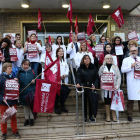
column 118, row 17
column 70, row 35
column 1, row 56
column 90, row 25
column 13, row 54
column 99, row 49
column 76, row 26
column 107, row 81
column 45, row 94
column 32, row 50
column 40, row 19
column 137, row 70
column 69, row 13
column 50, row 42
column 90, row 49
column 81, row 37
column 133, row 36
column 117, row 101
column 31, row 32
column 11, row 91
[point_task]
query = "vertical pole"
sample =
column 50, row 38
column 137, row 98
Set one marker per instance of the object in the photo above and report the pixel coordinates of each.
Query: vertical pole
column 83, row 113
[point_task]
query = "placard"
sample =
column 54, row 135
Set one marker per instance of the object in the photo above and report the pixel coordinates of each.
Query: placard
column 119, row 49
column 11, row 91
column 137, row 70
column 81, row 37
column 107, row 81
column 133, row 36
column 31, row 32
column 1, row 56
column 99, row 49
column 12, row 36
column 13, row 54
column 32, row 50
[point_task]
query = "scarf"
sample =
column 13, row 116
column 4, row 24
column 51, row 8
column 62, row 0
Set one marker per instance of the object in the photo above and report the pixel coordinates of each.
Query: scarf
column 32, row 42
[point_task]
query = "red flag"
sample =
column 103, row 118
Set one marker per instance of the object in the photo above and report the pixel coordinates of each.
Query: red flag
column 45, row 94
column 52, row 73
column 76, row 26
column 118, row 17
column 50, row 40
column 90, row 49
column 70, row 36
column 39, row 19
column 90, row 25
column 69, row 13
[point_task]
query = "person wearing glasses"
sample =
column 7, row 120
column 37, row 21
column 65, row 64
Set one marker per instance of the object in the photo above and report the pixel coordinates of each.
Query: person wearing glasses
column 102, row 40
column 133, row 84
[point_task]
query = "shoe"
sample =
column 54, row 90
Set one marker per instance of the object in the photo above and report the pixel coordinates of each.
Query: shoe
column 64, row 110
column 85, row 120
column 91, row 120
column 114, row 116
column 31, row 122
column 26, row 123
column 130, row 118
column 4, row 136
column 57, row 111
column 107, row 110
column 16, row 135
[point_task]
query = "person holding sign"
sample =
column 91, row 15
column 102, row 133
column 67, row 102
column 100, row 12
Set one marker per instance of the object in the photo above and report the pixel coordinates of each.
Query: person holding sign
column 33, row 49
column 108, row 67
column 87, row 75
column 82, row 51
column 7, row 75
column 131, row 67
column 25, row 75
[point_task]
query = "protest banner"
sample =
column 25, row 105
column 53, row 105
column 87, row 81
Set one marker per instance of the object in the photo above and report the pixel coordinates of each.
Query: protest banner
column 99, row 49
column 133, row 36
column 13, row 54
column 32, row 50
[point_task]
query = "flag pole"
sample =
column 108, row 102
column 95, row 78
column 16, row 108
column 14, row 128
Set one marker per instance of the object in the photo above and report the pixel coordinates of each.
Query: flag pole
column 44, row 28
column 96, row 30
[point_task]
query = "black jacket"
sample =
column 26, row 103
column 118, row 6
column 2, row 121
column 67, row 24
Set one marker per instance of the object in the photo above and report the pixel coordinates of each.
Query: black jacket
column 87, row 76
column 6, row 55
column 3, row 78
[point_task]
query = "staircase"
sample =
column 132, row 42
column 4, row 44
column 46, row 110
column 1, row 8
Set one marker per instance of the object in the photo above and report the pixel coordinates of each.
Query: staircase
column 63, row 127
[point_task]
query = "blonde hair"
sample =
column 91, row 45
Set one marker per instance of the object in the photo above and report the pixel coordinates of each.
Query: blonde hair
column 5, row 65
column 80, row 49
column 92, row 36
column 134, row 42
column 18, row 41
column 108, row 55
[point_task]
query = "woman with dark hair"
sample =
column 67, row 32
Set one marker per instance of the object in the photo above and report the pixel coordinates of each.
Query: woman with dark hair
column 4, row 48
column 87, row 75
column 102, row 40
column 64, row 72
column 25, row 75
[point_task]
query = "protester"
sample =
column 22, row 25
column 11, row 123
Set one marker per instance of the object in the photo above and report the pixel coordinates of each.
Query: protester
column 17, row 37
column 108, row 50
column 108, row 39
column 35, row 60
column 133, row 85
column 46, row 41
column 83, row 50
column 93, row 38
column 52, row 41
column 25, row 76
column 64, row 72
column 40, row 42
column 7, row 74
column 87, row 75
column 109, row 67
column 102, row 40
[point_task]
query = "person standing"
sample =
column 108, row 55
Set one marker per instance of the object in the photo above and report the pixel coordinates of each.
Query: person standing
column 133, row 85
column 17, row 37
column 93, row 38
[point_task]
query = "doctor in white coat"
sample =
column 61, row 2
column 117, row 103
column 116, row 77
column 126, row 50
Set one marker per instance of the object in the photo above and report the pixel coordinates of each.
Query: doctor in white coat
column 133, row 85
column 82, row 51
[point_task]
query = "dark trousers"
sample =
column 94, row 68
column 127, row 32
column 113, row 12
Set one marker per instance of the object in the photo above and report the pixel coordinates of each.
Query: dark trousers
column 107, row 100
column 130, row 104
column 56, row 102
column 86, row 91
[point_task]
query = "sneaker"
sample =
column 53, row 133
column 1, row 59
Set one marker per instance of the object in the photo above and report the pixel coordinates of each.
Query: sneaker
column 4, row 136
column 64, row 110
column 130, row 118
column 26, row 122
column 91, row 120
column 16, row 135
column 85, row 120
column 31, row 122
column 57, row 111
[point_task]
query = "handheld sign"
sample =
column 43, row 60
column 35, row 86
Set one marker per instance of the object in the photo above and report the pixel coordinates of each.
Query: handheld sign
column 32, row 50
column 133, row 36
column 119, row 50
column 1, row 56
column 31, row 32
column 81, row 37
column 99, row 49
column 107, row 81
column 13, row 54
column 137, row 70
column 11, row 91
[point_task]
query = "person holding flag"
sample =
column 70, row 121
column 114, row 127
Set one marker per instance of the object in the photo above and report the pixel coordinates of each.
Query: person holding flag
column 76, row 26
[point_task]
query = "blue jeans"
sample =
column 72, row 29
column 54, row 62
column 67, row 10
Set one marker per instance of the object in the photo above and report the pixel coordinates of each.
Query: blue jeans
column 34, row 66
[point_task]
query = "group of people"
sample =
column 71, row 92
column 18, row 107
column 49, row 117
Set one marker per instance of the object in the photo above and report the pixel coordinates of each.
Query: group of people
column 87, row 69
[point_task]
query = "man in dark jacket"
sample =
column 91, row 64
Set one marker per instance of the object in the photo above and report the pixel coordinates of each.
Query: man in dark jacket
column 7, row 70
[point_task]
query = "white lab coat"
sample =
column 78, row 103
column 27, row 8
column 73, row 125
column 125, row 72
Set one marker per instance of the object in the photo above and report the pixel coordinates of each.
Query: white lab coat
column 133, row 85
column 78, row 57
column 20, row 55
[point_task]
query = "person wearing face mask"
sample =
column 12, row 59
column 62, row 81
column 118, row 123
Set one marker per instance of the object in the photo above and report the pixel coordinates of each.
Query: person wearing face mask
column 109, row 67
column 133, row 84
column 64, row 72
